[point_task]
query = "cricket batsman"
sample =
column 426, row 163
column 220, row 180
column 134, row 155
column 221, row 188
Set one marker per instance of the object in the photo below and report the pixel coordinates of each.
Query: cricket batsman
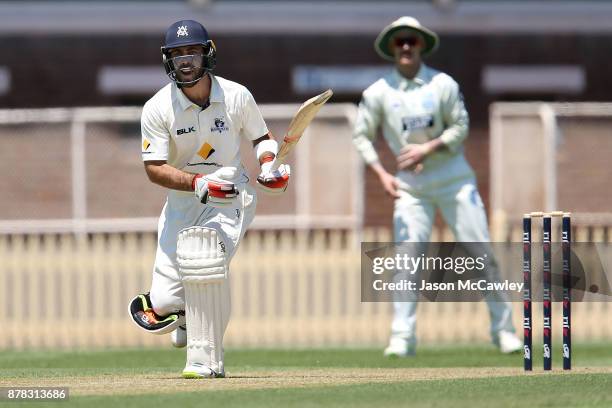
column 191, row 133
column 424, row 122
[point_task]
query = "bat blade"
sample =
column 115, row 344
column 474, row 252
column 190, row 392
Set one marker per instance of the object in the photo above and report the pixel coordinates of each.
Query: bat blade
column 300, row 122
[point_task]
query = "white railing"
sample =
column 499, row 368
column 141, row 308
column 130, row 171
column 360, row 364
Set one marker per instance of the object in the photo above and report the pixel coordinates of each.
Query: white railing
column 289, row 289
column 77, row 121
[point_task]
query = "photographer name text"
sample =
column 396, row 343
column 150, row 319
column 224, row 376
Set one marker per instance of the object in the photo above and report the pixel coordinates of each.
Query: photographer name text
column 469, row 285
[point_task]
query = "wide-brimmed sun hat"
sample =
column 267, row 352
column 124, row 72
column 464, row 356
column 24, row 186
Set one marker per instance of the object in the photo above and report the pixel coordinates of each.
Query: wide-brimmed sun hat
column 382, row 41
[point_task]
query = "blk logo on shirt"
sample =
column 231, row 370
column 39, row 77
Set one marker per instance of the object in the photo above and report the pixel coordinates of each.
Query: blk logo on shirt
column 184, row 131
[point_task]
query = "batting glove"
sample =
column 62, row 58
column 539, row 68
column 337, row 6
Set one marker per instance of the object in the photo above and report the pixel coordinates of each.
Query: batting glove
column 274, row 182
column 216, row 189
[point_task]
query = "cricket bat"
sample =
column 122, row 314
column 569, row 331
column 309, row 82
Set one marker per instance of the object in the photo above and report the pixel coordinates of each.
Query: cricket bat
column 299, row 123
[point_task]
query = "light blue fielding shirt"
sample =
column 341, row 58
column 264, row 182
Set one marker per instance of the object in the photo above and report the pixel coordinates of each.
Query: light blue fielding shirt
column 413, row 112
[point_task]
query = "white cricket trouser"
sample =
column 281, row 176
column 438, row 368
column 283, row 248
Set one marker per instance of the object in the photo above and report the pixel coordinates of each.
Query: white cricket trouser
column 182, row 211
column 463, row 211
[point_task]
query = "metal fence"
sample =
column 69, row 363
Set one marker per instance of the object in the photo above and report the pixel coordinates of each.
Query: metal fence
column 289, row 289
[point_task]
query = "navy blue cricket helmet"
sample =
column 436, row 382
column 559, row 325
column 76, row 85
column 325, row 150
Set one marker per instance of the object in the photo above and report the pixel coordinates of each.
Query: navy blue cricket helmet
column 184, row 33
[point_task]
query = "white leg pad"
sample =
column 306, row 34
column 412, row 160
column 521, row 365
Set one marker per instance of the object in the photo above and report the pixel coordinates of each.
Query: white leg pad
column 203, row 268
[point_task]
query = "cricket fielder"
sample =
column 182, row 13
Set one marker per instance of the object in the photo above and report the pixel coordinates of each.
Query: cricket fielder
column 191, row 132
column 424, row 122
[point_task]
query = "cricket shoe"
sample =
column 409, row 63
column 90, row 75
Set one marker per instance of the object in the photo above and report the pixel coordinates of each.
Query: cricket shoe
column 400, row 347
column 179, row 337
column 142, row 313
column 198, row 370
column 508, row 342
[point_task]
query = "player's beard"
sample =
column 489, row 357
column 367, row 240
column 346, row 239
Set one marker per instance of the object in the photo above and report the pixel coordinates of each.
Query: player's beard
column 190, row 77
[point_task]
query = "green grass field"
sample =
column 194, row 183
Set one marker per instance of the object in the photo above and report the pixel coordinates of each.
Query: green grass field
column 476, row 376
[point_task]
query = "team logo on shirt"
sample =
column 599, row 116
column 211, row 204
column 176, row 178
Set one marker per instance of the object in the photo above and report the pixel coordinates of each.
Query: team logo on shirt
column 206, row 151
column 219, row 125
column 182, row 31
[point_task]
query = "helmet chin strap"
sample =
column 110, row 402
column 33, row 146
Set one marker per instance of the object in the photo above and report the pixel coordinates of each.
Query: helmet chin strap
column 188, row 84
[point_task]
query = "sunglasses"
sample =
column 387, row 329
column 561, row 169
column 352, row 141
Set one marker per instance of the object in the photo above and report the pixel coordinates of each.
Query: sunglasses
column 401, row 41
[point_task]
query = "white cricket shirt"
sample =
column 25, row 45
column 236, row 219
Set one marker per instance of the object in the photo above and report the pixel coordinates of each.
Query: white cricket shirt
column 195, row 140
column 414, row 111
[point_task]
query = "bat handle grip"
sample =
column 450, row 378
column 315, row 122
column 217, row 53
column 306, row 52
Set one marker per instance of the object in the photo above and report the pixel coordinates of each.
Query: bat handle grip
column 277, row 162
